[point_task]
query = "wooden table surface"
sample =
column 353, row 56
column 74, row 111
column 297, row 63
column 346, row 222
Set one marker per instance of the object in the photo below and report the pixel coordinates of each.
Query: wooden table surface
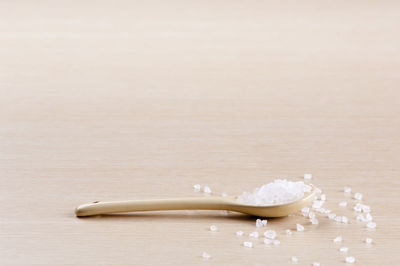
column 117, row 100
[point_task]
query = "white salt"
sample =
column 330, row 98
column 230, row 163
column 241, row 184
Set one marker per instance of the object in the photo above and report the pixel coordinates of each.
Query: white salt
column 368, row 217
column 259, row 223
column 267, row 241
column 224, row 194
column 197, row 187
column 254, row 234
column 207, row 190
column 371, row 225
column 311, row 215
column 316, row 263
column 278, row 191
column 264, row 222
column 299, row 228
column 344, row 249
column 288, row 231
column 307, row 176
column 331, row 216
column 343, row 204
column 317, row 204
column 368, row 240
column 337, row 239
column 345, row 220
column 314, row 221
column 358, row 196
column 350, row 259
column 323, row 197
column 277, row 242
column 271, row 234
column 347, row 190
column 248, row 244
column 239, row 233
column 206, row 256
column 213, row 228
column 295, row 259
column 338, row 219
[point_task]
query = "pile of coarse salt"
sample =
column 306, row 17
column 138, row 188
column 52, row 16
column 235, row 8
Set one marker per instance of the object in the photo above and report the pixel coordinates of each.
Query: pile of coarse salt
column 278, row 191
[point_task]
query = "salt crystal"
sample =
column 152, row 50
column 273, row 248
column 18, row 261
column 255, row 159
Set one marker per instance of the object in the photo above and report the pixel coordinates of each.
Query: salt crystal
column 323, row 197
column 307, row 176
column 277, row 242
column 345, row 220
column 368, row 240
column 317, row 204
column 311, row 215
column 338, row 219
column 361, row 218
column 331, row 216
column 267, row 241
column 207, row 190
column 213, row 228
column 254, row 234
column 239, row 233
column 343, row 204
column 314, row 221
column 270, row 234
column 224, row 194
column 248, row 244
column 197, row 187
column 371, row 225
column 278, row 191
column 316, row 263
column 295, row 259
column 259, row 223
column 337, row 239
column 288, row 231
column 206, row 256
column 299, row 228
column 347, row 190
column 350, row 259
column 358, row 196
column 344, row 249
column 264, row 222
column 305, row 210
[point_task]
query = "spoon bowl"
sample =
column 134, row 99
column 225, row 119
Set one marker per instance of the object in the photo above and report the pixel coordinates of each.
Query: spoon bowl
column 197, row 203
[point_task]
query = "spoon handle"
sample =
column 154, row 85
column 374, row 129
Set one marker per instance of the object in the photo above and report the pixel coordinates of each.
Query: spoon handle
column 106, row 207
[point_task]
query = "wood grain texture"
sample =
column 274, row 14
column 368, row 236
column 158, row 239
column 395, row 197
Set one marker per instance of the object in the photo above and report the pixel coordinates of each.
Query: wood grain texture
column 136, row 100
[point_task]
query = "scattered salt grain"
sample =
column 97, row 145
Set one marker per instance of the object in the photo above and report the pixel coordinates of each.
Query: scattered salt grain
column 248, row 244
column 213, row 228
column 206, row 256
column 368, row 217
column 368, row 240
column 278, row 191
column 371, row 225
column 337, row 239
column 323, row 197
column 331, row 216
column 299, row 228
column 358, row 196
column 267, row 241
column 350, row 259
column 314, row 221
column 316, row 263
column 197, row 187
column 288, row 231
column 295, row 259
column 239, row 233
column 264, row 222
column 345, row 220
column 307, row 176
column 207, row 190
column 224, row 194
column 343, row 204
column 271, row 234
column 259, row 223
column 277, row 242
column 347, row 190
column 254, row 234
column 338, row 219
column 317, row 204
column 344, row 249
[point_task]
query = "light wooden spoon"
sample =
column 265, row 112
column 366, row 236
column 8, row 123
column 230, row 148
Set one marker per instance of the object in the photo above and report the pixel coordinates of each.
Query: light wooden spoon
column 199, row 203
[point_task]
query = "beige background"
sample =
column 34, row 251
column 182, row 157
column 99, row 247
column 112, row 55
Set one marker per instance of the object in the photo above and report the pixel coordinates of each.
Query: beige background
column 105, row 100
